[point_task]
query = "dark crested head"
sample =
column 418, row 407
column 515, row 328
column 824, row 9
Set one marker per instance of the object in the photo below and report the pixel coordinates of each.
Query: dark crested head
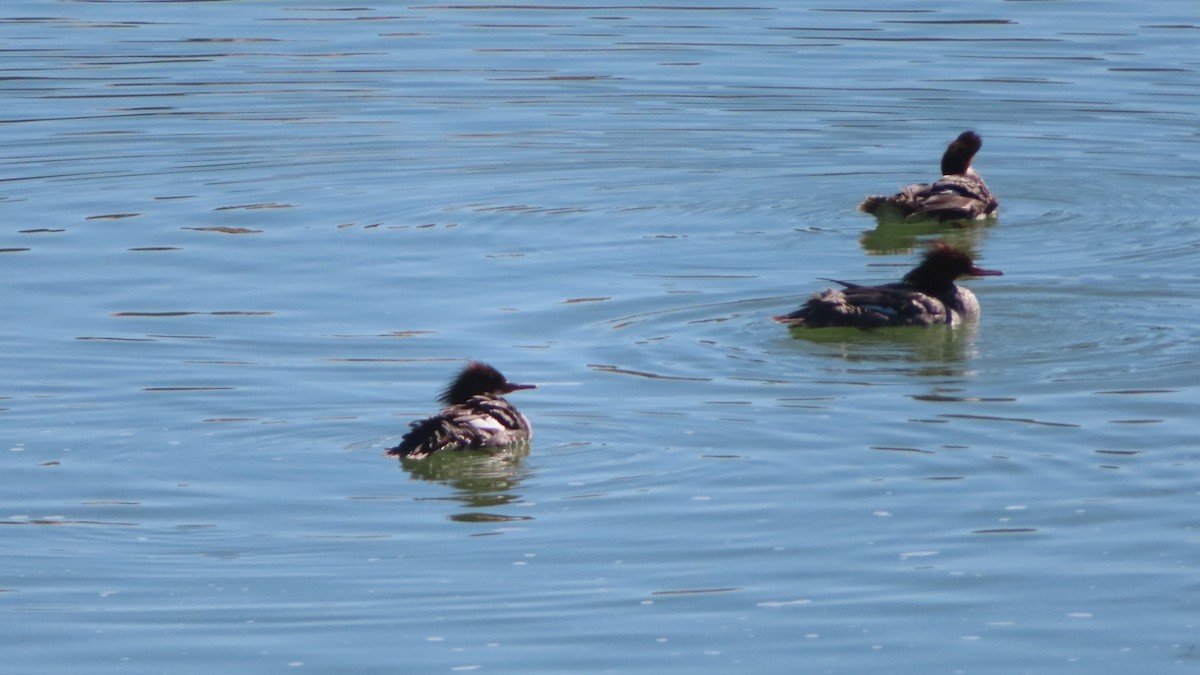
column 957, row 158
column 477, row 379
column 941, row 265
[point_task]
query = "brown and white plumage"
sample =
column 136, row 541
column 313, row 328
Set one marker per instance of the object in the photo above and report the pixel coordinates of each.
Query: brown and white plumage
column 960, row 194
column 925, row 296
column 475, row 417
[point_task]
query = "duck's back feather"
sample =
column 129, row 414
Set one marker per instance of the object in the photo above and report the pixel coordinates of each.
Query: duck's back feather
column 481, row 422
column 870, row 307
column 957, row 197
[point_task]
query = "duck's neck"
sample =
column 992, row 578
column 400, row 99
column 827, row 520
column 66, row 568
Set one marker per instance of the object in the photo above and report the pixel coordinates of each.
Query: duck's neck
column 929, row 281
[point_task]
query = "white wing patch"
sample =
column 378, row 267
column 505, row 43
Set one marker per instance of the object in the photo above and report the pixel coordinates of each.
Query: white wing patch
column 487, row 425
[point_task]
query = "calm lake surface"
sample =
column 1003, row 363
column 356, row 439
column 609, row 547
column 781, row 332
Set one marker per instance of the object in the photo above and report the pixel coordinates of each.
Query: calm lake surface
column 244, row 243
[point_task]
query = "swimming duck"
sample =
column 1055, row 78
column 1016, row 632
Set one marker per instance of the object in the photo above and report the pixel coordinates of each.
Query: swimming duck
column 474, row 417
column 925, row 296
column 960, row 194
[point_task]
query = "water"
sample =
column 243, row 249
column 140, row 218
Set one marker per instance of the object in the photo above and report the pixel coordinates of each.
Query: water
column 245, row 243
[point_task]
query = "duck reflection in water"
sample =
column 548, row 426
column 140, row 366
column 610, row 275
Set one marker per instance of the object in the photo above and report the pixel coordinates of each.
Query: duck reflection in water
column 482, row 480
column 903, row 237
column 934, row 352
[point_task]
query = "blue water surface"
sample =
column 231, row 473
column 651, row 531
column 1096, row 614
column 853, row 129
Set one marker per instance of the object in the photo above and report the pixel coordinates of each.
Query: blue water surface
column 244, row 243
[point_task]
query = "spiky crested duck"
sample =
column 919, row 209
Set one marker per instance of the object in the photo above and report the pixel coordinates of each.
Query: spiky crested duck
column 960, row 194
column 475, row 417
column 925, row 296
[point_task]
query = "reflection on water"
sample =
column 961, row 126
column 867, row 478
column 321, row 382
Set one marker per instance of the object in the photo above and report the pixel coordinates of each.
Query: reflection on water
column 937, row 350
column 892, row 237
column 483, row 480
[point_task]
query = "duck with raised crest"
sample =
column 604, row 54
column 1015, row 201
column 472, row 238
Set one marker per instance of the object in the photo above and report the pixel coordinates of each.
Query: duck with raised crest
column 925, row 296
column 475, row 417
column 960, row 194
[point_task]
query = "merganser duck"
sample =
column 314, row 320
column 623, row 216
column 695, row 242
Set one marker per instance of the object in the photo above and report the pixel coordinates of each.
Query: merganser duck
column 960, row 194
column 925, row 296
column 475, row 417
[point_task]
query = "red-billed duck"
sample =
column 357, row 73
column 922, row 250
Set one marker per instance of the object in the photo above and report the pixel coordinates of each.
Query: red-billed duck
column 475, row 417
column 960, row 194
column 925, row 296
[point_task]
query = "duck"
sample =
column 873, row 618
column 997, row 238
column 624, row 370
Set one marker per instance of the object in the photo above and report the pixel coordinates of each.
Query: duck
column 475, row 416
column 960, row 194
column 926, row 296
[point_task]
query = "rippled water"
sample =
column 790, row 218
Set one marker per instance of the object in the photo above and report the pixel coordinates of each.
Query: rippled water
column 244, row 243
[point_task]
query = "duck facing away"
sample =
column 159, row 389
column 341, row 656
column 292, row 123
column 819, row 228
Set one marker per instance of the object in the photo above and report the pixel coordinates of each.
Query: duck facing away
column 475, row 417
column 925, row 296
column 960, row 194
